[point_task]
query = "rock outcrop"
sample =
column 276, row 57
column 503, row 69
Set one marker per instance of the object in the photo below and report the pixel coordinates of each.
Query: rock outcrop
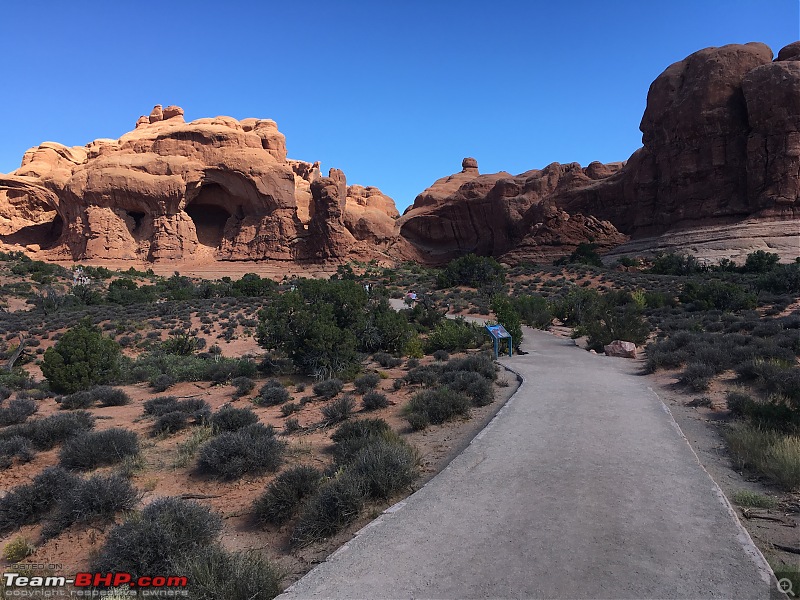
column 210, row 189
column 721, row 135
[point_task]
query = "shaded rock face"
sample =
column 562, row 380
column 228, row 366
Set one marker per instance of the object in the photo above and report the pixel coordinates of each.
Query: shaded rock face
column 721, row 135
column 213, row 188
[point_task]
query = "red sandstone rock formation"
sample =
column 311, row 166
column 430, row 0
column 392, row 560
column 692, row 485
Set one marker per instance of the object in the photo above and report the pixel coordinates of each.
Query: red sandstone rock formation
column 721, row 135
column 213, row 188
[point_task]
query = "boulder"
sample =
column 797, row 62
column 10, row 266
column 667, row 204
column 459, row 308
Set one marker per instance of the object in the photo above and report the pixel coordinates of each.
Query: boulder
column 620, row 349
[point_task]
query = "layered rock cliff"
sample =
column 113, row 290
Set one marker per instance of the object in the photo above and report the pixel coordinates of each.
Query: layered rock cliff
column 721, row 145
column 214, row 188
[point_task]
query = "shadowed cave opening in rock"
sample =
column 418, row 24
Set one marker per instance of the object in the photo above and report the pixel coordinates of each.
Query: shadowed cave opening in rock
column 45, row 235
column 209, row 214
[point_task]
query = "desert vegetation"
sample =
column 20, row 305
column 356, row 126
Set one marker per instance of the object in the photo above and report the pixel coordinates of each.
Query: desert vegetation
column 308, row 396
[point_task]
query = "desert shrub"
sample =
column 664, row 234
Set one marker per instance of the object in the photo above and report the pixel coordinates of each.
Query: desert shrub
column 289, row 408
column 366, row 382
column 506, row 312
column 252, row 449
column 387, row 361
column 676, row 264
column 453, row 335
column 481, row 363
column 17, row 549
column 473, row 384
column 50, row 431
column 533, row 310
column 170, row 422
column 229, row 418
column 28, row 503
column 385, row 466
column 16, row 411
column 195, row 408
column 474, row 271
column 413, row 362
column 350, row 437
column 739, row 404
column 82, row 399
column 271, row 395
column 162, row 382
column 716, row 294
column 159, row 538
column 374, row 400
column 335, row 505
column 328, row 388
column 15, row 447
column 290, row 426
column 97, row 498
column 160, row 405
column 760, row 262
column 435, row 406
column 697, row 376
column 441, row 355
column 782, row 279
column 93, row 449
column 216, row 573
column 338, row 409
column 109, row 396
column 285, row 495
column 81, row 358
column 244, row 385
column 425, row 374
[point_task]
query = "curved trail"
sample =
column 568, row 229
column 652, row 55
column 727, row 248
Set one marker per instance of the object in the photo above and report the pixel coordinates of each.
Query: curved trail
column 581, row 487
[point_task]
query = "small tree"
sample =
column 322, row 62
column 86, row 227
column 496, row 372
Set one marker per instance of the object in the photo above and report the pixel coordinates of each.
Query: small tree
column 80, row 359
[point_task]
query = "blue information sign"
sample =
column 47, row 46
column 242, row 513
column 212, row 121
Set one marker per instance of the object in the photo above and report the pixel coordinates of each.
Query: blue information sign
column 498, row 333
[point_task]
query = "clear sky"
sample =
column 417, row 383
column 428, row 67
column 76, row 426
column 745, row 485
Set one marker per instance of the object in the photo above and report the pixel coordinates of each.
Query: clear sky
column 393, row 93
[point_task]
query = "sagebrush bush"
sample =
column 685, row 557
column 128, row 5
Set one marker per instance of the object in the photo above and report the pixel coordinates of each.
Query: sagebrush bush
column 283, row 498
column 160, row 405
column 50, row 431
column 216, row 573
column 481, row 363
column 435, row 406
column 289, row 408
column 15, row 447
column 386, row 360
column 77, row 400
column 93, row 449
column 271, row 396
column 109, row 396
column 335, row 505
column 231, row 454
column 374, row 400
column 338, row 409
column 350, row 437
column 366, row 382
column 162, row 382
column 16, row 411
column 243, row 385
column 26, row 504
column 170, row 422
column 291, row 426
column 385, row 465
column 473, row 384
column 441, row 355
column 229, row 418
column 95, row 499
column 328, row 388
column 697, row 376
column 159, row 538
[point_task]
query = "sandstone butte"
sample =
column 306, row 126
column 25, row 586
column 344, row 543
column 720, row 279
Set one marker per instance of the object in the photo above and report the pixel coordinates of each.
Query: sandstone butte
column 719, row 170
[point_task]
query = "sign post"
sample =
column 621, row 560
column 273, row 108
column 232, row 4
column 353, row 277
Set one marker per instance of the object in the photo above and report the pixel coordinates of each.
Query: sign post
column 499, row 333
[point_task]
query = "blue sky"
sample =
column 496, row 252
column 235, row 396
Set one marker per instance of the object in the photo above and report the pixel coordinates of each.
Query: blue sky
column 393, row 93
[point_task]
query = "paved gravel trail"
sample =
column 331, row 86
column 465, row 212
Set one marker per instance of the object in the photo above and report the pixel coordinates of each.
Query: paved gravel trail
column 581, row 487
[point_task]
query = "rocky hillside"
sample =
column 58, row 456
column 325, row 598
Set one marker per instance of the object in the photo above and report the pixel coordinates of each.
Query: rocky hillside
column 721, row 153
column 211, row 189
column 721, row 135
